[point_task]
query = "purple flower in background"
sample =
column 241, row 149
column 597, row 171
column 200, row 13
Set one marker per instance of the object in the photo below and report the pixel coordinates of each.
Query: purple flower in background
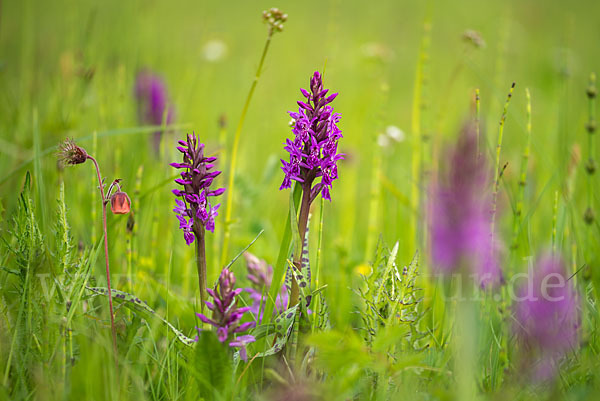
column 195, row 211
column 460, row 214
column 547, row 318
column 152, row 98
column 226, row 316
column 261, row 275
column 259, row 272
column 313, row 151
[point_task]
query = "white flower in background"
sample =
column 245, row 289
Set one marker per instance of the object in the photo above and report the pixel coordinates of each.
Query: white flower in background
column 395, row 133
column 214, row 50
column 383, row 140
column 392, row 134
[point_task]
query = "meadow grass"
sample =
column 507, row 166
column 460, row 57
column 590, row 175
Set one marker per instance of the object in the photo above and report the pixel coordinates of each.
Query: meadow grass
column 380, row 325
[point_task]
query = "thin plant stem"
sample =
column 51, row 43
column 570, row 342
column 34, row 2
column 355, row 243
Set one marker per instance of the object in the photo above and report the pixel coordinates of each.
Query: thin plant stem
column 478, row 120
column 554, row 221
column 318, row 265
column 110, row 303
column 234, row 151
column 518, row 217
column 417, row 143
column 497, row 170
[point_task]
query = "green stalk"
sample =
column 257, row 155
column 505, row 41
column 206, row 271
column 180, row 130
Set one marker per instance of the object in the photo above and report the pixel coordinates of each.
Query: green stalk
column 518, row 215
column 497, row 170
column 478, row 121
column 465, row 340
column 554, row 221
column 591, row 163
column 234, row 151
column 417, row 141
column 318, row 266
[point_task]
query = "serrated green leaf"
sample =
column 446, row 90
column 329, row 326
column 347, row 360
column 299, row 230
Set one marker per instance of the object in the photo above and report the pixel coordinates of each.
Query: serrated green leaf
column 137, row 305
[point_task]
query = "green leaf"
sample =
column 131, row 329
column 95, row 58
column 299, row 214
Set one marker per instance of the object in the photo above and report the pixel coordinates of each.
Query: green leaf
column 281, row 265
column 134, row 303
column 283, row 325
column 213, row 367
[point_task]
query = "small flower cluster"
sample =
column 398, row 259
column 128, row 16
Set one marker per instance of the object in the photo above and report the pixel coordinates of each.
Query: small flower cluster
column 226, row 315
column 547, row 316
column 275, row 18
column 196, row 179
column 313, row 152
column 460, row 215
column 260, row 275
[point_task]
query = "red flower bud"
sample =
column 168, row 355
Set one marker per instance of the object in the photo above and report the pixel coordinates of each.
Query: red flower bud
column 120, row 203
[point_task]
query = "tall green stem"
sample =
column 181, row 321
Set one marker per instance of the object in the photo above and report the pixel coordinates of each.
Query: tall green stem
column 497, row 170
column 234, row 151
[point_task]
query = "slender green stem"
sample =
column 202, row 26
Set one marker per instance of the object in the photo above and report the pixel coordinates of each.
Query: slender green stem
column 417, row 142
column 234, row 151
column 554, row 221
column 318, row 266
column 518, row 216
column 497, row 170
column 110, row 303
column 478, row 120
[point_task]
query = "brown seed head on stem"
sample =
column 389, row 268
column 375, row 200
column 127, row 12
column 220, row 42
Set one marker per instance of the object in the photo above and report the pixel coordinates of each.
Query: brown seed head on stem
column 71, row 154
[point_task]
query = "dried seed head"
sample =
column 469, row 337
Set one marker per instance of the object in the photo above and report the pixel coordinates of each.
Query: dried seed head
column 120, row 203
column 71, row 154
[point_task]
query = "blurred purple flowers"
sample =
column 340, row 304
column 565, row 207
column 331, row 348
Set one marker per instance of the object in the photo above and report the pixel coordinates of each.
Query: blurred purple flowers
column 460, row 214
column 547, row 316
column 195, row 211
column 261, row 275
column 226, row 315
column 313, row 152
column 152, row 98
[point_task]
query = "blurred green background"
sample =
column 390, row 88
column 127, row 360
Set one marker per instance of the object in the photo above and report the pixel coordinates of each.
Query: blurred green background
column 67, row 69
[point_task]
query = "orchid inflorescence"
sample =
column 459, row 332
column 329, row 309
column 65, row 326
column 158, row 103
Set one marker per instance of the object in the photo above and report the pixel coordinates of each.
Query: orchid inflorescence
column 226, row 315
column 313, row 151
column 195, row 210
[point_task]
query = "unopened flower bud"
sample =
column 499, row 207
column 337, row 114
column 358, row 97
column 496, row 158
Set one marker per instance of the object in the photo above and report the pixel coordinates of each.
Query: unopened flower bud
column 591, row 126
column 590, row 166
column 120, row 203
column 591, row 92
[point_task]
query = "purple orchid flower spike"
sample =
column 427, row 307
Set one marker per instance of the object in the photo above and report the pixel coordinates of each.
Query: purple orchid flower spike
column 152, row 102
column 313, row 155
column 196, row 178
column 547, row 317
column 194, row 209
column 460, row 215
column 313, row 152
column 260, row 275
column 226, row 315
